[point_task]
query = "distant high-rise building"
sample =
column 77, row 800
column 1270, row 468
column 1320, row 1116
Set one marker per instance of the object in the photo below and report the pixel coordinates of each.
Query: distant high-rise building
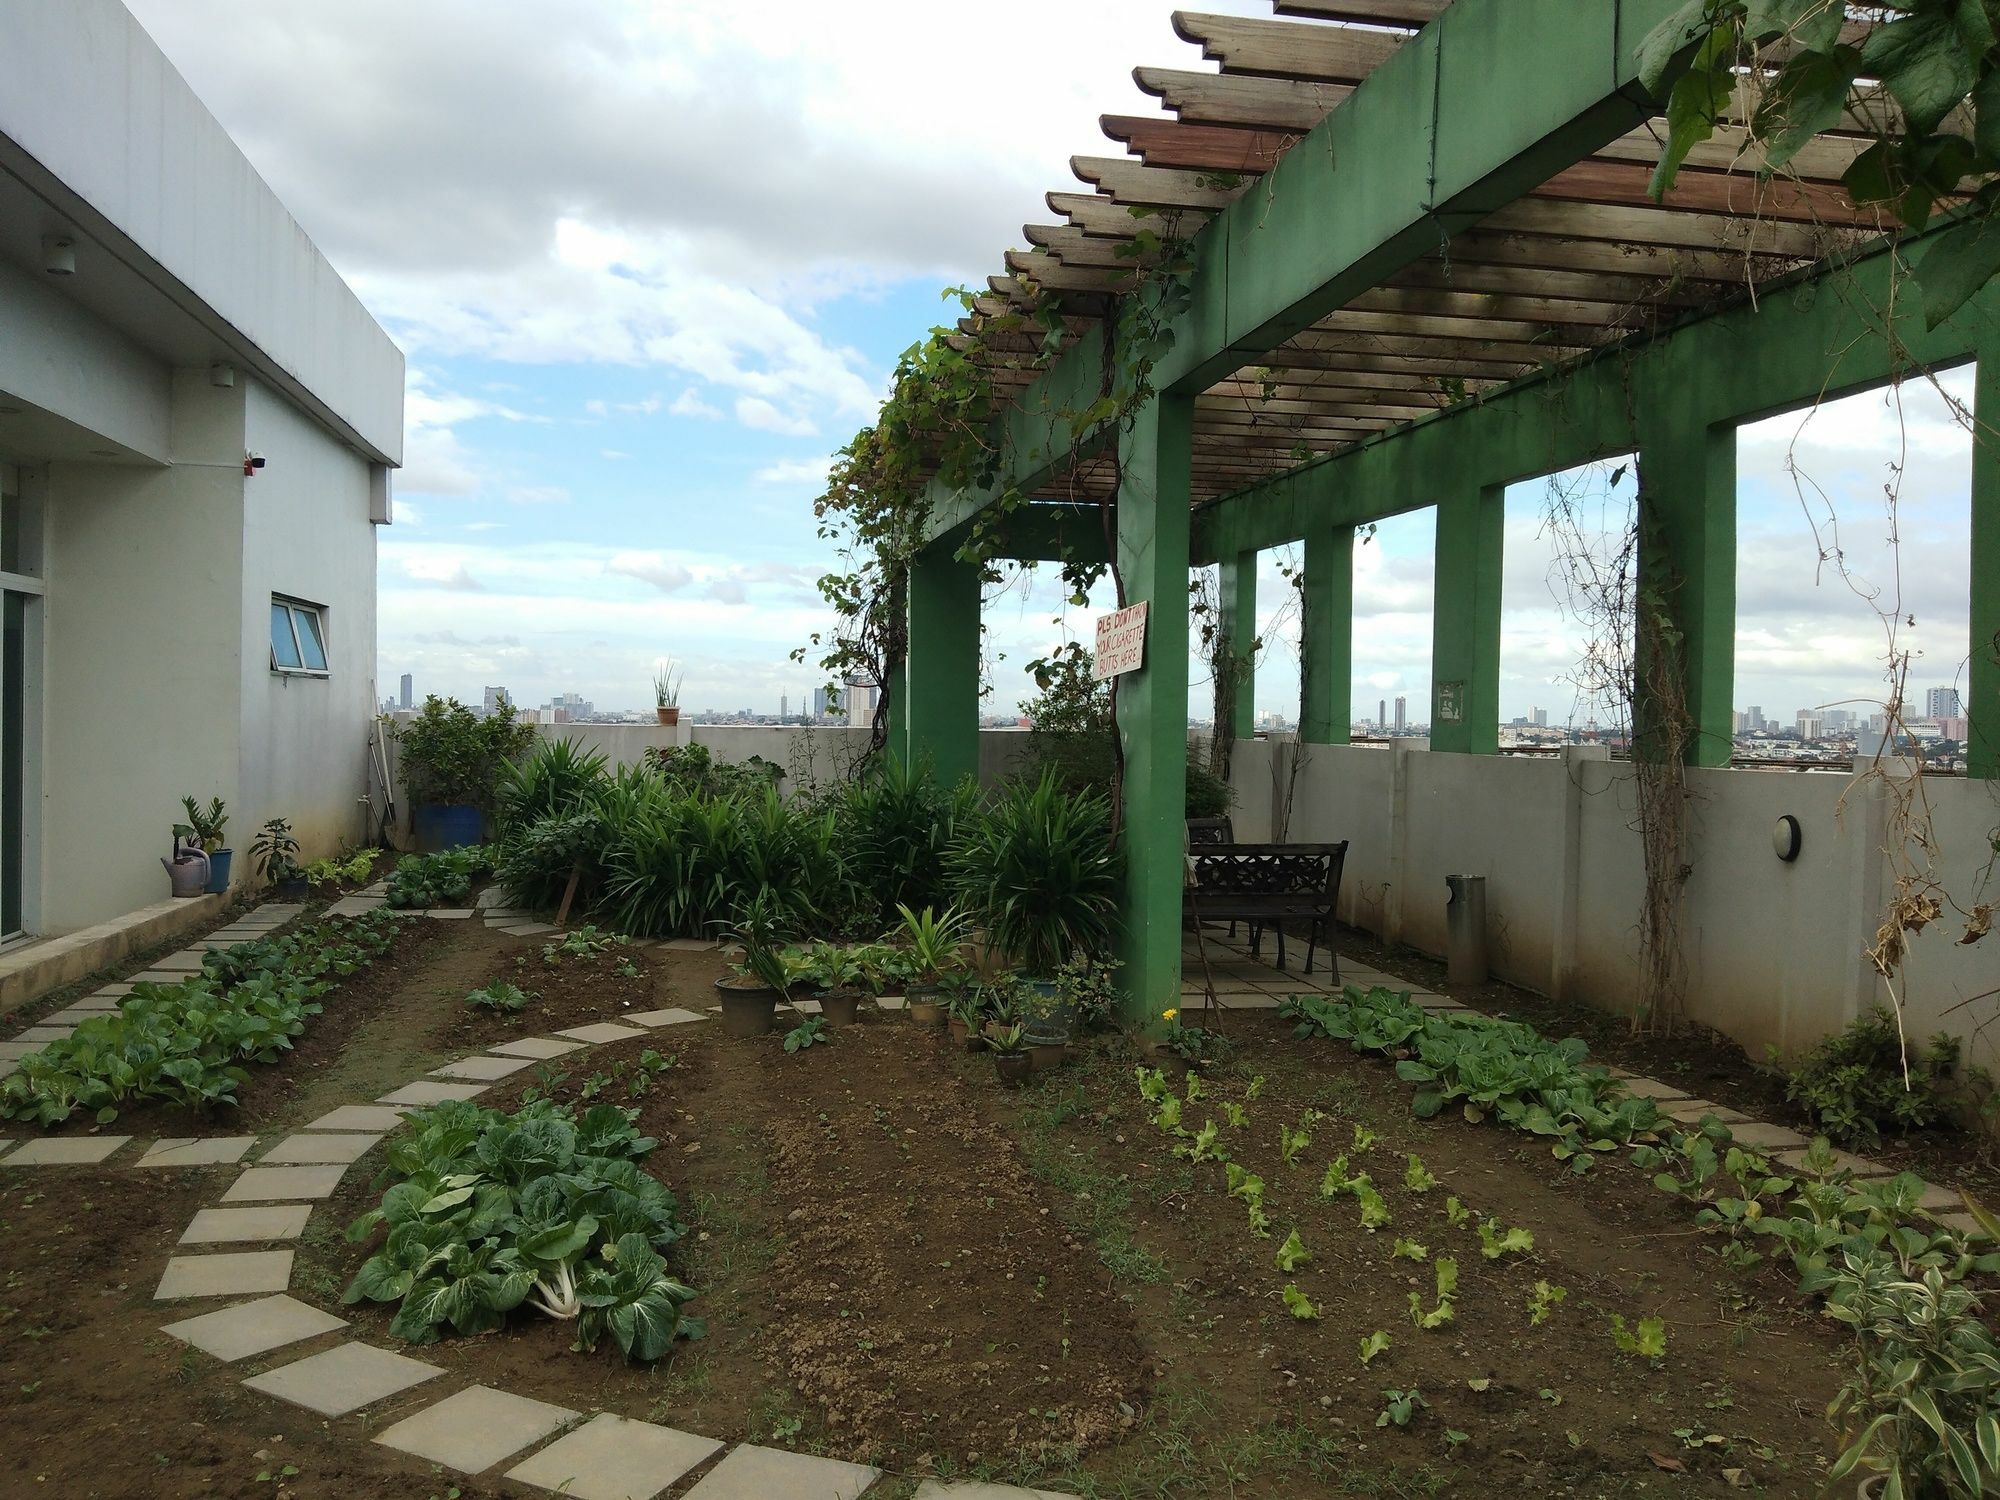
column 1402, row 713
column 1753, row 718
column 861, row 696
column 495, row 696
column 784, row 706
column 1941, row 703
column 408, row 686
column 1381, row 713
column 822, row 701
column 1539, row 717
column 1812, row 726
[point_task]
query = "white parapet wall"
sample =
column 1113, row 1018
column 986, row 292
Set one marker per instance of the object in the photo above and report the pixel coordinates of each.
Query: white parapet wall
column 1774, row 949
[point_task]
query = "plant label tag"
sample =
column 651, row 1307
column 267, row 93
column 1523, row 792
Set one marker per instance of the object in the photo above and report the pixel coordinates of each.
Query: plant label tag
column 1121, row 642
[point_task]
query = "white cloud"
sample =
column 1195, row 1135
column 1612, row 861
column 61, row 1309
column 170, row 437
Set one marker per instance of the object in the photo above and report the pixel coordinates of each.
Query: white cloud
column 653, row 568
column 538, row 494
column 690, row 404
column 755, row 411
column 807, row 471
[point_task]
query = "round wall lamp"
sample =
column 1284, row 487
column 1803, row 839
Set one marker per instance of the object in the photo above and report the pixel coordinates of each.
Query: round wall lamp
column 1786, row 838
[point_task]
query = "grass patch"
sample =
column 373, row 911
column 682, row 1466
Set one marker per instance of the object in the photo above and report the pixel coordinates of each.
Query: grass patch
column 1095, row 1204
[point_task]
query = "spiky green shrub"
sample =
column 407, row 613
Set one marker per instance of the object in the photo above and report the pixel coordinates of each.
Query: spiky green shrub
column 895, row 825
column 1036, row 869
column 559, row 779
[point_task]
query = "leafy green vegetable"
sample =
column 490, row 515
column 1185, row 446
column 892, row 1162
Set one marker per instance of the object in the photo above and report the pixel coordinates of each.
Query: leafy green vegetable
column 1291, row 1143
column 1648, row 1340
column 1493, row 1244
column 1542, row 1302
column 499, row 997
column 1410, row 1250
column 810, row 1032
column 1293, row 1253
column 1296, row 1300
column 1417, row 1178
column 1374, row 1344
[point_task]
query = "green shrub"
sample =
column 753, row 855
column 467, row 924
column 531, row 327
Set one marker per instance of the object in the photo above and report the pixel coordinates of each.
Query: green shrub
column 499, row 998
column 451, row 756
column 490, row 1211
column 1852, row 1083
column 692, row 770
column 895, row 825
column 441, row 879
column 1037, row 871
column 559, row 779
column 186, row 1042
column 1208, row 795
column 1071, row 736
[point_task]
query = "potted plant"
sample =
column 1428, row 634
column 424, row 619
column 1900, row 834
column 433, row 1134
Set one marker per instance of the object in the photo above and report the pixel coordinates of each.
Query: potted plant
column 208, row 823
column 751, row 994
column 1003, row 1005
column 930, row 951
column 667, row 690
column 451, row 762
column 964, row 1006
column 1179, row 1049
column 835, row 974
column 277, row 856
column 1010, row 1055
column 1045, row 1026
column 187, row 866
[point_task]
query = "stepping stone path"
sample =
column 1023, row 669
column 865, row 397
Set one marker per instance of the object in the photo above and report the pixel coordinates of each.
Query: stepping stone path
column 614, row 1458
column 229, row 1273
column 475, row 1429
column 227, row 1226
column 343, row 1379
column 254, row 1328
column 753, row 1473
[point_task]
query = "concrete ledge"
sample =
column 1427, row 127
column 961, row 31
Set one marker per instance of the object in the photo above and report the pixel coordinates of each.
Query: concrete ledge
column 32, row 970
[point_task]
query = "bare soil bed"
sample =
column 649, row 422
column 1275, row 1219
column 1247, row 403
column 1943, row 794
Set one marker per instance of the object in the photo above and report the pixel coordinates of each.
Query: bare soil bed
column 902, row 1262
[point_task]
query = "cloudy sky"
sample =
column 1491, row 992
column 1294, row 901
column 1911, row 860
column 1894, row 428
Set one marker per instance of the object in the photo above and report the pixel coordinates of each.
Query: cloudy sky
column 652, row 261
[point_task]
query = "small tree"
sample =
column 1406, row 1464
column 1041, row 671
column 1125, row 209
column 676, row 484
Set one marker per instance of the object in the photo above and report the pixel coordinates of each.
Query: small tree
column 453, row 757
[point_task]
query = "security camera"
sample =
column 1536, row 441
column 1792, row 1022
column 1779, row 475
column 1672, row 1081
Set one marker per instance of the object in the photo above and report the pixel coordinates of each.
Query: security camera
column 252, row 462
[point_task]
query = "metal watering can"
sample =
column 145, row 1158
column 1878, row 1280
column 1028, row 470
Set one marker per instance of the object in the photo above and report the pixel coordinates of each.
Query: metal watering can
column 187, row 868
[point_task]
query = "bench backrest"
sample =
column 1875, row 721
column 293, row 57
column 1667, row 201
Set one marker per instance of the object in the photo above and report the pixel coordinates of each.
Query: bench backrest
column 1270, row 869
column 1204, row 831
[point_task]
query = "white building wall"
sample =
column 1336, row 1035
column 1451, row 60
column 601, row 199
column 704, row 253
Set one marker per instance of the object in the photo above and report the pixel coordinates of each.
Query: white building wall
column 141, row 675
column 56, row 356
column 306, row 534
column 1773, row 950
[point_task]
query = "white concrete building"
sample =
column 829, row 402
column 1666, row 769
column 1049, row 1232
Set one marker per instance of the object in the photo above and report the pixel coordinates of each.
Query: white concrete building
column 174, row 621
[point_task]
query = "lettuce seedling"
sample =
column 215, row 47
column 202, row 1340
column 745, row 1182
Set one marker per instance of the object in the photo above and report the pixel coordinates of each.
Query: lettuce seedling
column 1542, row 1302
column 1417, row 1178
column 1410, row 1250
column 1291, row 1143
column 1376, row 1343
column 1293, row 1253
column 1296, row 1300
column 1647, row 1341
column 1493, row 1244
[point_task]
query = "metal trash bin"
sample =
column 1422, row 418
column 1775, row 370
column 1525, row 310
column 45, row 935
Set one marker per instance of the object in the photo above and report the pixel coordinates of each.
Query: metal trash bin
column 1465, row 929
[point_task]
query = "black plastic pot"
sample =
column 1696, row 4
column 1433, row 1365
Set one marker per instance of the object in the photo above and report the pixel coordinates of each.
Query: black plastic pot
column 841, row 1008
column 747, row 1010
column 1013, row 1068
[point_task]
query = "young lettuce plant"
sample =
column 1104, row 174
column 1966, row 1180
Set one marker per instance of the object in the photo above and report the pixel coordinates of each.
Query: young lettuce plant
column 1493, row 1244
column 1293, row 1253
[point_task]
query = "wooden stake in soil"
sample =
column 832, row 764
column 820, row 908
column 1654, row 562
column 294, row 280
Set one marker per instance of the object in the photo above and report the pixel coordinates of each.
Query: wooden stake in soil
column 569, row 894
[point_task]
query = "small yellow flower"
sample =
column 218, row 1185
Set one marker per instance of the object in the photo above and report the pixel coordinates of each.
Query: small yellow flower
column 1170, row 1014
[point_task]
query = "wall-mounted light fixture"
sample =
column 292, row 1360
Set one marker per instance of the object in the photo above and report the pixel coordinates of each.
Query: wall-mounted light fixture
column 1786, row 838
column 58, row 255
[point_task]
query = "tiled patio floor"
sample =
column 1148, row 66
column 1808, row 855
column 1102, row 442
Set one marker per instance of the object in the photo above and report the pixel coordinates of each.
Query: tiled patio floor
column 1246, row 981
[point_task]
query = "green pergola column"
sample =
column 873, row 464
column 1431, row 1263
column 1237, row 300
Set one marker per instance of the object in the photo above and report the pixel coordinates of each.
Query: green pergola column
column 938, row 721
column 1236, row 584
column 1326, row 636
column 1465, row 621
column 1982, row 701
column 1156, row 455
column 1687, row 551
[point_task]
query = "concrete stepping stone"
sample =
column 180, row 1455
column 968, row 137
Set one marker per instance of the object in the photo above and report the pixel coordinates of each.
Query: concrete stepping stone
column 75, row 1015
column 600, row 1032
column 98, row 1005
column 253, row 1327
column 1247, row 1001
column 507, row 914
column 185, row 962
column 15, row 1051
column 66, row 1151
column 480, row 1069
column 115, row 990
column 1437, row 1002
column 6, row 1146
column 529, row 929
column 673, row 1015
column 1939, row 1200
column 538, row 1047
column 1843, row 1161
column 343, row 1379
column 689, row 945
column 323, row 1149
column 475, row 1429
column 9, row 1065
column 161, row 976
column 449, row 913
column 37, row 1037
column 193, row 1151
column 753, row 1473
column 1694, row 1111
column 937, row 1489
column 426, row 1092
column 1758, row 1136
column 353, row 906
column 614, row 1458
column 238, row 1226
column 1965, row 1224
column 228, row 1274
column 283, row 1184
column 1652, row 1088
column 375, row 1117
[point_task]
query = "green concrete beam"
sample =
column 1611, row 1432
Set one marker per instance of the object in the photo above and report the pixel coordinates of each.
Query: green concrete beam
column 1982, row 700
column 1487, row 102
column 1053, row 533
column 1236, row 588
column 1465, row 621
column 1153, row 506
column 1687, row 558
column 939, row 720
column 1326, row 629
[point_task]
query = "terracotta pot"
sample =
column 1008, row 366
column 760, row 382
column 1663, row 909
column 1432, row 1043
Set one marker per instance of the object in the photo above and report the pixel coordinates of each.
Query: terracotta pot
column 669, row 715
column 1013, row 1068
column 840, row 1009
column 1170, row 1063
column 926, row 1012
column 747, row 1010
column 1047, row 1056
